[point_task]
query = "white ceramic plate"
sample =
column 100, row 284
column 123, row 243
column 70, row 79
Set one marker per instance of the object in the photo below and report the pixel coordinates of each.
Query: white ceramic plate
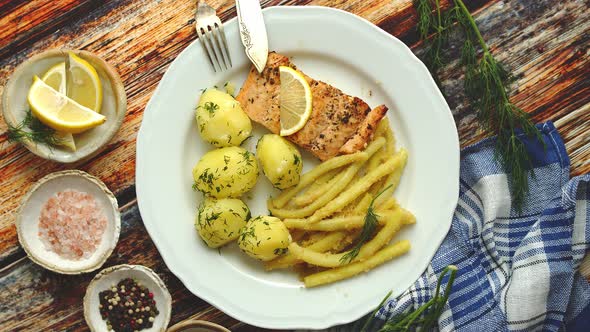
column 362, row 60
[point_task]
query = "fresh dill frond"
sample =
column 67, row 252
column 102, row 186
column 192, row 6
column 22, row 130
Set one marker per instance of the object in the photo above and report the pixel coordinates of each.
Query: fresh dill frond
column 424, row 17
column 433, row 29
column 424, row 317
column 367, row 232
column 487, row 85
column 434, row 54
column 30, row 128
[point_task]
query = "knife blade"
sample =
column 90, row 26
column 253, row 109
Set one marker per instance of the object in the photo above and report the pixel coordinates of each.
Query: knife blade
column 253, row 32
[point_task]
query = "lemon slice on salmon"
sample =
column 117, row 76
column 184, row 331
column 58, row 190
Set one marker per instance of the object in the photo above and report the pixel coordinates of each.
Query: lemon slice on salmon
column 295, row 100
column 58, row 111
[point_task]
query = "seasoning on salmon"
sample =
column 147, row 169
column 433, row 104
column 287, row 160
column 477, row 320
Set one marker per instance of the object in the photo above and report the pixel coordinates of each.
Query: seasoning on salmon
column 72, row 224
column 339, row 123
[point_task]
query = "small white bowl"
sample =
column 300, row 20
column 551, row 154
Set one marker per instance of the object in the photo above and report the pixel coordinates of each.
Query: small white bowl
column 27, row 221
column 88, row 143
column 197, row 326
column 112, row 275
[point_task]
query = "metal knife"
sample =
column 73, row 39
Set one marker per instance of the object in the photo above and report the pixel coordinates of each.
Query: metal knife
column 253, row 32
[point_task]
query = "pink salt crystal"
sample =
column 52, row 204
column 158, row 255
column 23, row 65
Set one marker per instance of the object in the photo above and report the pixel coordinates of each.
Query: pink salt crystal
column 71, row 224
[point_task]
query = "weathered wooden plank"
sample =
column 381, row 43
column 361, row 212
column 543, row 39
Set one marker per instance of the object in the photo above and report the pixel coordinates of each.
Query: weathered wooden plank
column 33, row 298
column 35, row 20
column 7, row 6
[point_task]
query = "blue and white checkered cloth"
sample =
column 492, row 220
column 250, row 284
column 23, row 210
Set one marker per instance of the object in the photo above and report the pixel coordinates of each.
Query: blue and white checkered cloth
column 517, row 271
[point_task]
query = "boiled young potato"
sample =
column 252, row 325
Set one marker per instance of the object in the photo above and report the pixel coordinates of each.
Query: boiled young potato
column 226, row 172
column 281, row 161
column 221, row 120
column 219, row 220
column 264, row 238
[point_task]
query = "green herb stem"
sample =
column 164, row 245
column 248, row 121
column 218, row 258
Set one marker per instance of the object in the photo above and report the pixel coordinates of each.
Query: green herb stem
column 367, row 232
column 426, row 315
column 372, row 314
column 439, row 27
column 474, row 27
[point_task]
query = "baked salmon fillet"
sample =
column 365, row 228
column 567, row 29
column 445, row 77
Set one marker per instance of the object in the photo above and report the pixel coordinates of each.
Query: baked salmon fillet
column 338, row 124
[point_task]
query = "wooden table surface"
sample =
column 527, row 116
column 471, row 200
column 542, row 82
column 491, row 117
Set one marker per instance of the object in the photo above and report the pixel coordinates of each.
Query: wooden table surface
column 545, row 43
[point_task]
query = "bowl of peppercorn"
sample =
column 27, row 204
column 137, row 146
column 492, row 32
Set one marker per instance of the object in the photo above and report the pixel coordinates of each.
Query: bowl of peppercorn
column 127, row 298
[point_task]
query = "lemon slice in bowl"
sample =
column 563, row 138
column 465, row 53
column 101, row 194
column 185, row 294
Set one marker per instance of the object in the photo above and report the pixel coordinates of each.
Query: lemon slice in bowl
column 84, row 86
column 58, row 111
column 295, row 100
column 55, row 77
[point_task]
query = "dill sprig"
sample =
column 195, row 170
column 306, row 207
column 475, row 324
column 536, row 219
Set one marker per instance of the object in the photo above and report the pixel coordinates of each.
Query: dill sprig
column 30, row 128
column 487, row 84
column 369, row 227
column 424, row 317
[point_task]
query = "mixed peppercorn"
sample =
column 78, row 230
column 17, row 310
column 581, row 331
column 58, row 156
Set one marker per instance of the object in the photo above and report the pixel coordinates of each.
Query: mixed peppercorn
column 128, row 306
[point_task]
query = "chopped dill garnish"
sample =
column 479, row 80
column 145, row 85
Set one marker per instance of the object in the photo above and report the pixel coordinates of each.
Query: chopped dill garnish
column 207, row 177
column 247, row 234
column 211, row 107
column 247, row 158
column 280, row 251
column 210, row 218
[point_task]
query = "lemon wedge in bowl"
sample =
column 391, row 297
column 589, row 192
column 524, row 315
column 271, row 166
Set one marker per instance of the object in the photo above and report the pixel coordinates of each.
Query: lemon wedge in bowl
column 84, row 84
column 295, row 100
column 55, row 77
column 58, row 111
column 84, row 87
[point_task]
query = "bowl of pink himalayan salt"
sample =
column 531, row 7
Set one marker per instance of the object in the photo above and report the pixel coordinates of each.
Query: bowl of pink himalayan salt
column 69, row 222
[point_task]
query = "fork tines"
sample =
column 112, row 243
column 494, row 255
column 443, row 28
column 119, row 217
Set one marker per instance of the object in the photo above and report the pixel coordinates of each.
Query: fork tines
column 212, row 37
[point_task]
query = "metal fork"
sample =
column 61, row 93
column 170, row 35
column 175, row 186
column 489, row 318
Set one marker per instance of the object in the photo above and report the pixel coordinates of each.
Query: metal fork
column 211, row 35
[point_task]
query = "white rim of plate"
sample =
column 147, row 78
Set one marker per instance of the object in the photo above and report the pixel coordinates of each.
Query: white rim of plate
column 226, row 305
